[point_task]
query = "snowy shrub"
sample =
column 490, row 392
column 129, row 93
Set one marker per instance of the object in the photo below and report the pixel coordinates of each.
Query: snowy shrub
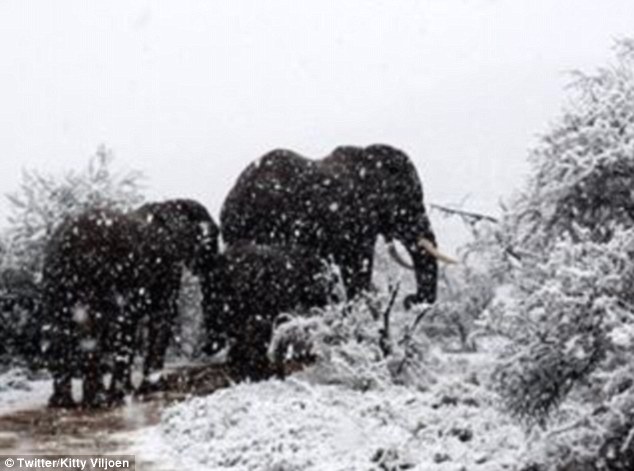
column 568, row 367
column 356, row 344
column 14, row 379
column 583, row 174
column 467, row 291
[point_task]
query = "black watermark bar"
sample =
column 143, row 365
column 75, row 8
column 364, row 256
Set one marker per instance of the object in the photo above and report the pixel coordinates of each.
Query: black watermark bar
column 67, row 462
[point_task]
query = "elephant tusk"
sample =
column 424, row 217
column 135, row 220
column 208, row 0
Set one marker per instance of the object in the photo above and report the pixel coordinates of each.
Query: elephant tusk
column 391, row 249
column 429, row 246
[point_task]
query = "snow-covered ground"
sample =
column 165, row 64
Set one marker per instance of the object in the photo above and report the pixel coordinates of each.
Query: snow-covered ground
column 298, row 425
column 17, row 392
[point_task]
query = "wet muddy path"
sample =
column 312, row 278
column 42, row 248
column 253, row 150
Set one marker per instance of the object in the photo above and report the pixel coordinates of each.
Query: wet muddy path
column 77, row 431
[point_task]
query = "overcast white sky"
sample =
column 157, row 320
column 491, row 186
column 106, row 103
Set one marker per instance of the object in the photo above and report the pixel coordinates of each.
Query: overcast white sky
column 191, row 91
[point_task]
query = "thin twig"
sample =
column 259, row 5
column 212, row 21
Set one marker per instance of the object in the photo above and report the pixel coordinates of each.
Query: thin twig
column 466, row 214
column 384, row 341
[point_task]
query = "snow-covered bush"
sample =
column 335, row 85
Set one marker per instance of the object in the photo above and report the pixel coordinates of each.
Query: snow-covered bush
column 467, row 291
column 572, row 350
column 572, row 321
column 364, row 344
column 583, row 173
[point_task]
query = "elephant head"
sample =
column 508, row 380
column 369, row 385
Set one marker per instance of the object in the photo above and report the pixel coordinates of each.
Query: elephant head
column 181, row 230
column 403, row 218
column 389, row 190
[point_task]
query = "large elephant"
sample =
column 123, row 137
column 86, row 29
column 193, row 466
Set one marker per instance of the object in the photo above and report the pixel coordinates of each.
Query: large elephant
column 248, row 287
column 103, row 272
column 337, row 206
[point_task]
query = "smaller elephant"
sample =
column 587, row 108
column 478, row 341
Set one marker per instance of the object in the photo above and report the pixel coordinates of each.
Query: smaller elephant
column 105, row 272
column 178, row 234
column 248, row 287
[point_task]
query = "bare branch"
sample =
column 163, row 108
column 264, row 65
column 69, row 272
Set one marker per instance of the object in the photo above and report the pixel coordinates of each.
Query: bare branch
column 384, row 341
column 465, row 214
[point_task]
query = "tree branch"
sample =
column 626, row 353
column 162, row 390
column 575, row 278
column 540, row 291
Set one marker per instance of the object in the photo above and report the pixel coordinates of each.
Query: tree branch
column 465, row 214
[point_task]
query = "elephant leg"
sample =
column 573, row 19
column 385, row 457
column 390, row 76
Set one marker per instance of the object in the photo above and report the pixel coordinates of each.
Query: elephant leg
column 160, row 331
column 157, row 342
column 124, row 336
column 159, row 336
column 212, row 308
column 62, row 391
column 120, row 380
column 248, row 357
column 93, row 387
column 61, row 353
column 249, row 361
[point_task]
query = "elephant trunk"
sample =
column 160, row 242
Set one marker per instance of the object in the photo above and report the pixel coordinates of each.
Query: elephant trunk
column 420, row 243
column 426, row 272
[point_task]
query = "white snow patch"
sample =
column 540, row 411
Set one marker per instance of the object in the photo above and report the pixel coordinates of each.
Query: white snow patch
column 294, row 425
column 17, row 392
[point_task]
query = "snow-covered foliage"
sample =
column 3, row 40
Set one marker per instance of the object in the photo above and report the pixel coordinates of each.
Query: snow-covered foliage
column 363, row 345
column 571, row 318
column 584, row 167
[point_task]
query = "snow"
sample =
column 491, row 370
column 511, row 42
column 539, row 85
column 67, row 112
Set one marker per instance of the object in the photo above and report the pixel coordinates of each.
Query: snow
column 17, row 392
column 296, row 425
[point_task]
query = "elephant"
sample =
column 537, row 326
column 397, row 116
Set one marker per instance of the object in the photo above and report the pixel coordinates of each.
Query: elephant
column 104, row 271
column 248, row 287
column 337, row 206
column 178, row 234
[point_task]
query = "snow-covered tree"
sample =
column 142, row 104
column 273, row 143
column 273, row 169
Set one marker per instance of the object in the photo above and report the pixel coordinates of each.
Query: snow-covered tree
column 572, row 319
column 583, row 169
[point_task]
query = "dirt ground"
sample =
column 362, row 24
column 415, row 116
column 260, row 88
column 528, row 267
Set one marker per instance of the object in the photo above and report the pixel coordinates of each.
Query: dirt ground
column 47, row 431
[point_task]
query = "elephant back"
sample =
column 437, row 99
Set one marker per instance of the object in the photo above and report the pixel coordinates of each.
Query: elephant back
column 279, row 199
column 265, row 281
column 93, row 250
column 176, row 233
